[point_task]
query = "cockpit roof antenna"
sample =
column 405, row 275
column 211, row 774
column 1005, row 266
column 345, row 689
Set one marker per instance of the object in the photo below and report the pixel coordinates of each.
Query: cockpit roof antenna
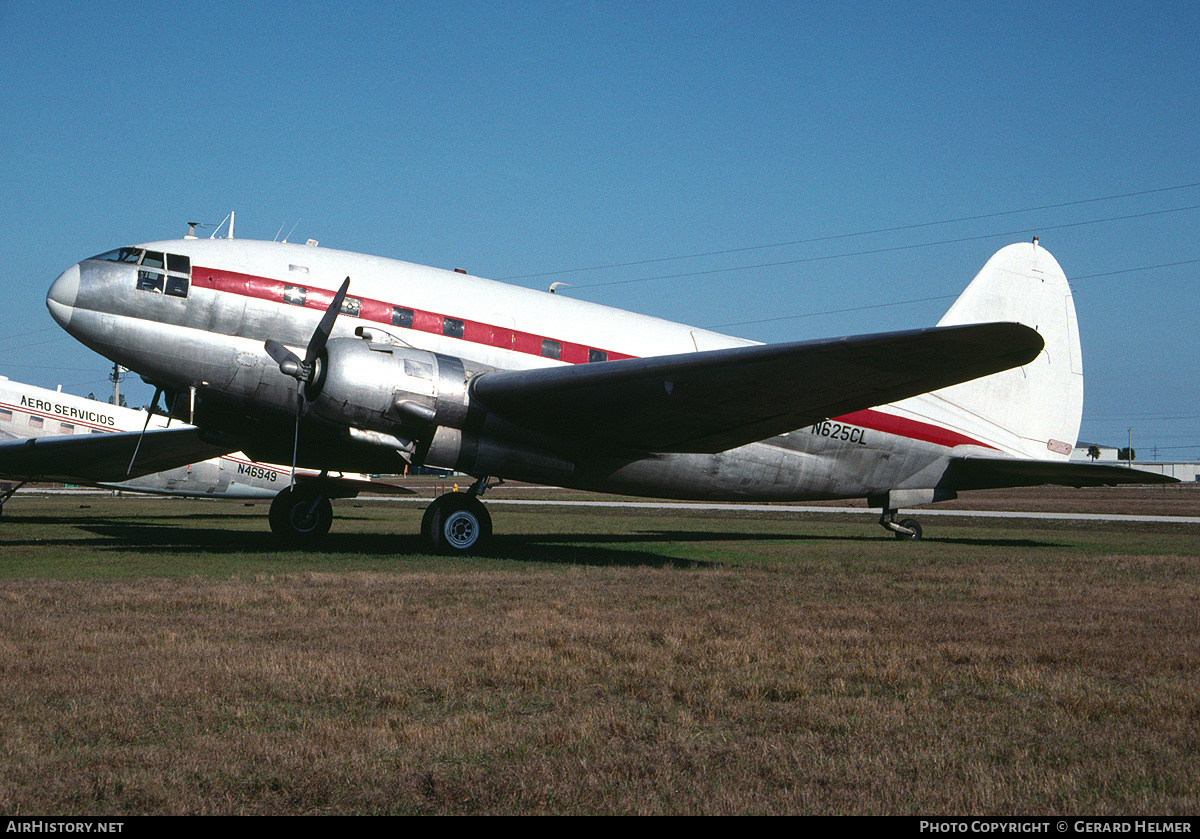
column 228, row 218
column 290, row 232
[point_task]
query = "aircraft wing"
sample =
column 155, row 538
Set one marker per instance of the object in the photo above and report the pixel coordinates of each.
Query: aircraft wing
column 90, row 458
column 996, row 472
column 343, row 487
column 717, row 400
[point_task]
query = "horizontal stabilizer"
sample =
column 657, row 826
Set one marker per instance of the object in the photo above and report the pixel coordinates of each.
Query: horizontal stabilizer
column 718, row 400
column 991, row 473
column 86, row 458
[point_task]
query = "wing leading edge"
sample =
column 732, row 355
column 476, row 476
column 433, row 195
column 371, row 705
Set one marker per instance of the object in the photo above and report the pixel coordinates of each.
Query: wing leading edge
column 717, row 400
column 89, row 458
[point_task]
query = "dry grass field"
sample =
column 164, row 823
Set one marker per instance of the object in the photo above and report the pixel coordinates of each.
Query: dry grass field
column 163, row 657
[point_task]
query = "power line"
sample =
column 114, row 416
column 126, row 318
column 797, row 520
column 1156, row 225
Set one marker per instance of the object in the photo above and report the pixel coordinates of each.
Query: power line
column 888, row 305
column 893, row 303
column 893, row 249
column 834, row 237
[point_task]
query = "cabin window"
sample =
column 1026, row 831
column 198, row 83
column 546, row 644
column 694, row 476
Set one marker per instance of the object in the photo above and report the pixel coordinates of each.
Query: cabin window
column 551, row 349
column 351, row 306
column 402, row 317
column 66, row 428
column 294, row 295
column 35, row 422
column 452, row 327
column 5, row 415
column 597, row 355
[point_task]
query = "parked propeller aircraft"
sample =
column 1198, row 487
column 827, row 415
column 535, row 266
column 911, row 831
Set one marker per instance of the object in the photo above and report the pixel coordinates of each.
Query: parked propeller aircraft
column 53, row 436
column 434, row 367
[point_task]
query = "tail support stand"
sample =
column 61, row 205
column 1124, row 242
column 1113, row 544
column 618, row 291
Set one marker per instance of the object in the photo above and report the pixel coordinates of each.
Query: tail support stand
column 907, row 529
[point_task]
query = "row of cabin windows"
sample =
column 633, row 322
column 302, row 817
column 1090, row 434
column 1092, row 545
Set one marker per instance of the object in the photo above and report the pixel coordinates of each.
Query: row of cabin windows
column 453, row 328
column 35, row 421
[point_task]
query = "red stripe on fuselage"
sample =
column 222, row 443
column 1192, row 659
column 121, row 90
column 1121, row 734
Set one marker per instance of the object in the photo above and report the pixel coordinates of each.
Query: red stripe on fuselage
column 476, row 332
column 910, row 429
column 380, row 311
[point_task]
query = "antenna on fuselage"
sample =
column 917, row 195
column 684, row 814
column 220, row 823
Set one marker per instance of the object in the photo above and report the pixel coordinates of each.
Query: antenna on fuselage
column 228, row 218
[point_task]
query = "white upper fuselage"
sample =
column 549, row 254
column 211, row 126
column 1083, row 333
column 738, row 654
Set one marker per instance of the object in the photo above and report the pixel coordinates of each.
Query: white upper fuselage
column 196, row 313
column 503, row 326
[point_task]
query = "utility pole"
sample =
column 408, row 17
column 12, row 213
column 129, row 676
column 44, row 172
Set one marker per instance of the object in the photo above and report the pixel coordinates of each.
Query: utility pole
column 116, row 379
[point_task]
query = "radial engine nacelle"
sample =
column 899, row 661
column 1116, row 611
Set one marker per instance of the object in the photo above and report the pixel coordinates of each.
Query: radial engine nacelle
column 378, row 386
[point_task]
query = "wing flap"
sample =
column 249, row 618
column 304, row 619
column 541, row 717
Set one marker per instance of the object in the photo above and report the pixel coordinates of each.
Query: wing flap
column 717, row 400
column 343, row 487
column 89, row 458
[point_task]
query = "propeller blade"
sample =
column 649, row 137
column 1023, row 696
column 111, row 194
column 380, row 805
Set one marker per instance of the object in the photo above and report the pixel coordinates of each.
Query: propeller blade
column 289, row 363
column 296, row 436
column 149, row 413
column 325, row 327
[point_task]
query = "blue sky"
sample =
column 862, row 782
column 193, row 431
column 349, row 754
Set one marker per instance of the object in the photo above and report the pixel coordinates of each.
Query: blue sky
column 775, row 170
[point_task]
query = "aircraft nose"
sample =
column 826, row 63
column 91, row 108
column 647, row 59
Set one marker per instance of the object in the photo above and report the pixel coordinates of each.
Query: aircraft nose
column 60, row 300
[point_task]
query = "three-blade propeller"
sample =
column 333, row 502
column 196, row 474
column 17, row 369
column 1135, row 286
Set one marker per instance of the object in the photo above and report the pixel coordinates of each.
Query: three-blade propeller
column 289, row 363
column 304, row 371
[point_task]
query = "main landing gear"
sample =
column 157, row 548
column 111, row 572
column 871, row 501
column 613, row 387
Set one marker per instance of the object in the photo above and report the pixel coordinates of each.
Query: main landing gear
column 301, row 514
column 907, row 529
column 454, row 523
column 457, row 522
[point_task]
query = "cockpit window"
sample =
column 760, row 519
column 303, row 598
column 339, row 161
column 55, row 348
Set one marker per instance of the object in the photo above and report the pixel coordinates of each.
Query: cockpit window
column 129, row 255
column 168, row 274
column 150, row 280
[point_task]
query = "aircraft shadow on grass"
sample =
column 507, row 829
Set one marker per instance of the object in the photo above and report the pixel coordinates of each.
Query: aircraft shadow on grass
column 196, row 534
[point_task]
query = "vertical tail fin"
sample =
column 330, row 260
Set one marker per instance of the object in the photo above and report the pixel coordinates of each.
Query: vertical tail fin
column 1032, row 411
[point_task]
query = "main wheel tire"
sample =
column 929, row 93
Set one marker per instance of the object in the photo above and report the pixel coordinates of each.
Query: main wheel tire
column 456, row 523
column 298, row 516
column 914, row 526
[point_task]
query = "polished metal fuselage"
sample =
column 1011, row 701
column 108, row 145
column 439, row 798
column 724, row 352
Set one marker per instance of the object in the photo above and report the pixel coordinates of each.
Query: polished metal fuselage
column 210, row 343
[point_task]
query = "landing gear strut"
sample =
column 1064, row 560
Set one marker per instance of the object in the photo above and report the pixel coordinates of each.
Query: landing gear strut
column 300, row 514
column 457, row 522
column 9, row 494
column 907, row 529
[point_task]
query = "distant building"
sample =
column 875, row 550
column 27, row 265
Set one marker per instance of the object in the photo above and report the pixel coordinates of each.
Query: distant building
column 1181, row 470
